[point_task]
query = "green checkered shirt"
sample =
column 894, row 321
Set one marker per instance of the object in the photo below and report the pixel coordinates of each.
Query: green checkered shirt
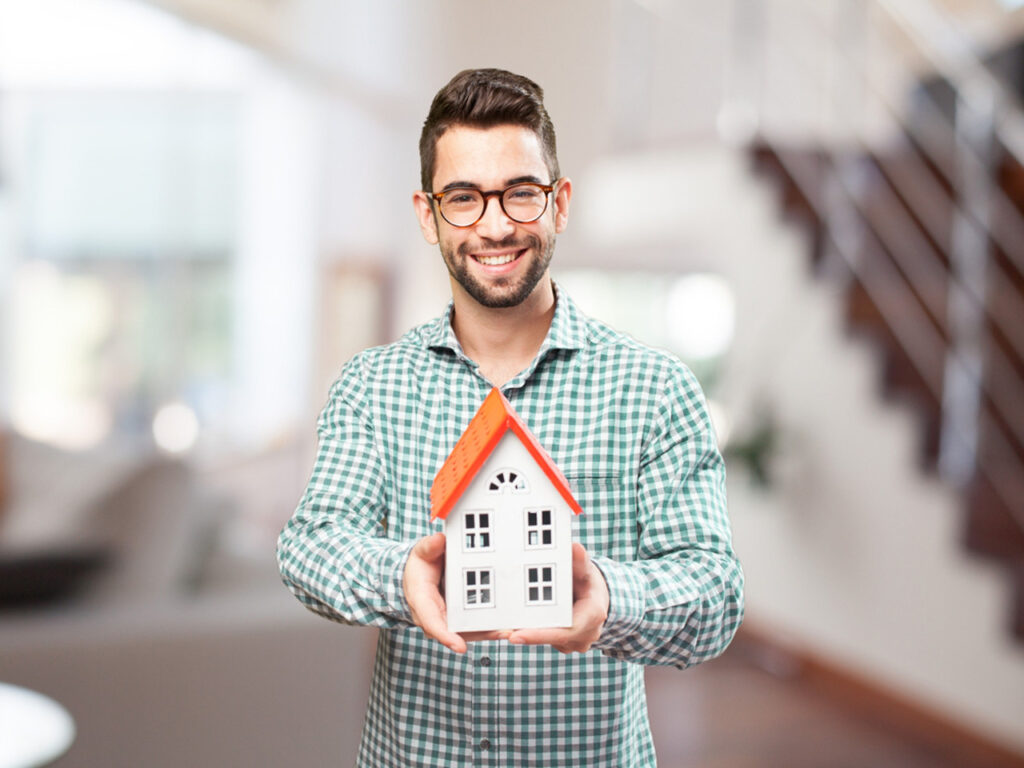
column 629, row 428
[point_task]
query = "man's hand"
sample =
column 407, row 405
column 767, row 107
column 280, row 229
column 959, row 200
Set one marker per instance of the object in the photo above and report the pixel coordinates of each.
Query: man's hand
column 421, row 582
column 589, row 610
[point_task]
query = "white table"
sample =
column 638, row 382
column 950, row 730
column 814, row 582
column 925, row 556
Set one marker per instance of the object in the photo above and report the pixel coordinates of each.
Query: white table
column 34, row 730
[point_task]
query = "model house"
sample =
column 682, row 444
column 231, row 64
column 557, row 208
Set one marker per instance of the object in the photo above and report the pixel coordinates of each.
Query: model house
column 507, row 512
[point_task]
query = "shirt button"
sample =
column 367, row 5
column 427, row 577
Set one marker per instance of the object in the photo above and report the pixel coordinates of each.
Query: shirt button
column 485, row 661
column 485, row 744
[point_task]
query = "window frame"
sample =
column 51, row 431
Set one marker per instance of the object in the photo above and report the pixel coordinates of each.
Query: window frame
column 540, row 528
column 483, row 585
column 517, row 485
column 477, row 530
column 541, row 584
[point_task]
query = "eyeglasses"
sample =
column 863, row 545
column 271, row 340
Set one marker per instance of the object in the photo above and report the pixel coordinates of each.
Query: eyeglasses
column 465, row 206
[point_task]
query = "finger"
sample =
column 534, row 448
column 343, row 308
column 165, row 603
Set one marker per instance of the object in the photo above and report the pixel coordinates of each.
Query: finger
column 539, row 636
column 581, row 560
column 431, row 547
column 563, row 641
column 434, row 626
column 453, row 643
column 472, row 637
column 425, row 600
column 580, row 565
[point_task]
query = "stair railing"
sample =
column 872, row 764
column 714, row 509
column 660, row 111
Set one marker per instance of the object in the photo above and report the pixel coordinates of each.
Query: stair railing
column 987, row 116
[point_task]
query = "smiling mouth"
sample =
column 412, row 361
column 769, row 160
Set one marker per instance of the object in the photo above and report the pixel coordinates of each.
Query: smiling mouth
column 497, row 260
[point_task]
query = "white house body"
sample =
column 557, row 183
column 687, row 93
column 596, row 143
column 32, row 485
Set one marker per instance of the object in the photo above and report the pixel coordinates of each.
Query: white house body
column 509, row 547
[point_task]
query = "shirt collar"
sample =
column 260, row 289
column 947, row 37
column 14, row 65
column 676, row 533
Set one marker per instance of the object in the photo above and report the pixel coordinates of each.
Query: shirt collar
column 568, row 328
column 440, row 335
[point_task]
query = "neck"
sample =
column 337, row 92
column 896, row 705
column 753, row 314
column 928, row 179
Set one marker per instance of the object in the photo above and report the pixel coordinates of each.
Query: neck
column 503, row 341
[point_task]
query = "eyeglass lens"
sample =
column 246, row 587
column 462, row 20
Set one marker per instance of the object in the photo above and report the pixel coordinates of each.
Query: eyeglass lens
column 523, row 203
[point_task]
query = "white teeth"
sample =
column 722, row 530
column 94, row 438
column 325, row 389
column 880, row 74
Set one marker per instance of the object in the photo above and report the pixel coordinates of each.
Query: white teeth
column 495, row 261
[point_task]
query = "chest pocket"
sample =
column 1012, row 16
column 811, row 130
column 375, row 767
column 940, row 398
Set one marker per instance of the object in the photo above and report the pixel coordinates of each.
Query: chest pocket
column 608, row 525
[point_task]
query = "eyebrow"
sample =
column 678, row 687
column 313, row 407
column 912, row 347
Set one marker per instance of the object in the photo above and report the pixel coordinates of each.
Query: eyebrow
column 510, row 182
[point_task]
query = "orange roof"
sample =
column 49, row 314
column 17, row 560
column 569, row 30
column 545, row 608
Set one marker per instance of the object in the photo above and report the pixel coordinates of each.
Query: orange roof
column 495, row 417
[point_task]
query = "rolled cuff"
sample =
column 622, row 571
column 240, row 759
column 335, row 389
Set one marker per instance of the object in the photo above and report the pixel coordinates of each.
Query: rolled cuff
column 626, row 603
column 391, row 576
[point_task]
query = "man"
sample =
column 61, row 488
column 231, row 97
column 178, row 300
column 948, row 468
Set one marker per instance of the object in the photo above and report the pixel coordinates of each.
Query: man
column 655, row 578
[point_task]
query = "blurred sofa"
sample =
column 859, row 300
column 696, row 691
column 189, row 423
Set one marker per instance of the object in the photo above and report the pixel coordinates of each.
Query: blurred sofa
column 167, row 648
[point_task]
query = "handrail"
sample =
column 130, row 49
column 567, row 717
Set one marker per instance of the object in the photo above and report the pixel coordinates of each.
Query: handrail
column 919, row 272
column 928, row 205
column 973, row 222
column 1009, row 231
column 918, row 337
column 954, row 58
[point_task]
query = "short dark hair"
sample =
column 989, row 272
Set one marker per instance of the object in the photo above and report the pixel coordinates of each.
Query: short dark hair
column 484, row 98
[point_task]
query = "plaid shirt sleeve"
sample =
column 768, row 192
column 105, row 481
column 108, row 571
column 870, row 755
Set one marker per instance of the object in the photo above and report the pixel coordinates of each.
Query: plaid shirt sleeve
column 332, row 553
column 681, row 601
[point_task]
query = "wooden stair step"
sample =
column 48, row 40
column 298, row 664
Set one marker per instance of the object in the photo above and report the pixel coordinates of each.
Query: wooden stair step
column 991, row 528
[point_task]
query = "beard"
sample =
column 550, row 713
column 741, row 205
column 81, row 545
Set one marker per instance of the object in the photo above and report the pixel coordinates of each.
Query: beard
column 502, row 292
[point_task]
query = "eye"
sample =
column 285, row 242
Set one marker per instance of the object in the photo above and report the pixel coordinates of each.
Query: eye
column 523, row 193
column 460, row 197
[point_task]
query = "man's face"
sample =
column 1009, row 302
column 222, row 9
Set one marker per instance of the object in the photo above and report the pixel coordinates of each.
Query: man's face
column 498, row 262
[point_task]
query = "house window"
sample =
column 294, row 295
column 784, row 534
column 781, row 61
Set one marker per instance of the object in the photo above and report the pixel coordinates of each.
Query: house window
column 540, row 528
column 477, row 527
column 477, row 588
column 540, row 584
column 507, row 481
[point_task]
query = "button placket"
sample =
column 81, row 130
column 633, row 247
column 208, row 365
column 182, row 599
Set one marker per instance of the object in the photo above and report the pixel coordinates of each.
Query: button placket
column 486, row 719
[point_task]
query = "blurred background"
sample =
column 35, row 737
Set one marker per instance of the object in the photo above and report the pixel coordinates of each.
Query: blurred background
column 817, row 204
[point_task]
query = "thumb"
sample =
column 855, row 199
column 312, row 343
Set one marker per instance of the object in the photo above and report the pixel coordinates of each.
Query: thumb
column 431, row 547
column 580, row 558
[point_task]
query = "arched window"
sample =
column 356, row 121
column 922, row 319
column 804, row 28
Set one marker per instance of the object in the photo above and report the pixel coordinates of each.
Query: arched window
column 507, row 481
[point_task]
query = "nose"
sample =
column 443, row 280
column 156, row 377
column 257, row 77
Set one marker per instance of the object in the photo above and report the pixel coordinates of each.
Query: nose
column 494, row 224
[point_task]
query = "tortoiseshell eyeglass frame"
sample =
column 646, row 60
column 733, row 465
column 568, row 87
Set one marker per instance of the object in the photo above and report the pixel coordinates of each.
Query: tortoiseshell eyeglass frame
column 500, row 194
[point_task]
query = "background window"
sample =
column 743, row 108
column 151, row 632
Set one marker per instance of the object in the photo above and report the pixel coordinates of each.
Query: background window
column 121, row 287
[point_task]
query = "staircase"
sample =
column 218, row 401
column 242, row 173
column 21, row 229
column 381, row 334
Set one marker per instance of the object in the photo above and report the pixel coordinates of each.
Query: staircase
column 915, row 216
column 898, row 285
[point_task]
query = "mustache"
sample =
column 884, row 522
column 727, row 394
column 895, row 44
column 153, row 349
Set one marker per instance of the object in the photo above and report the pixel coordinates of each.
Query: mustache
column 506, row 244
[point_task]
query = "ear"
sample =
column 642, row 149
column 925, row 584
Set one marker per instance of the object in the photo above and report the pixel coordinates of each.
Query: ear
column 562, row 197
column 425, row 215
